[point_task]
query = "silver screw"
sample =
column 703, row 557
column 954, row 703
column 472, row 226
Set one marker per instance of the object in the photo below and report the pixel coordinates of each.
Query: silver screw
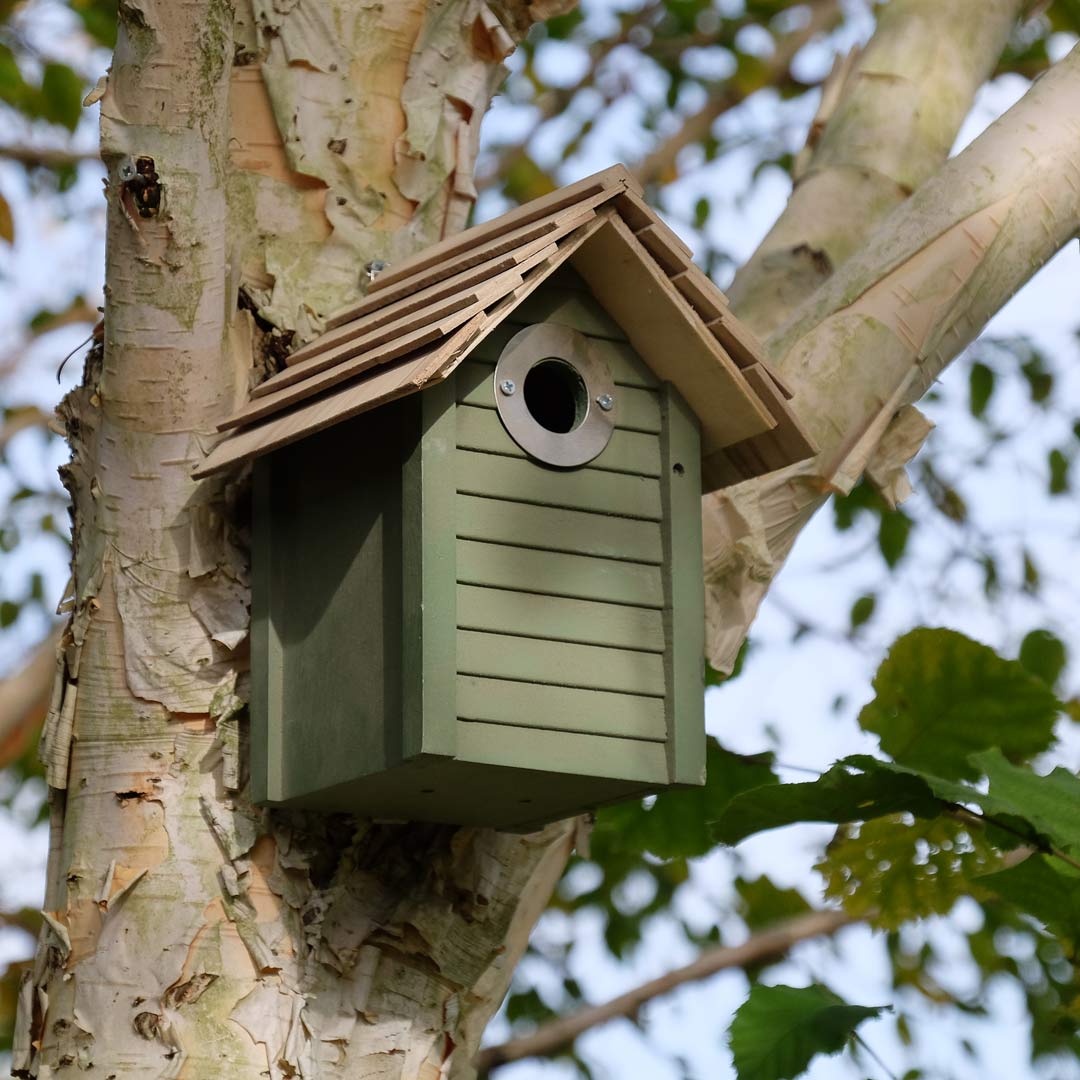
column 606, row 402
column 507, row 386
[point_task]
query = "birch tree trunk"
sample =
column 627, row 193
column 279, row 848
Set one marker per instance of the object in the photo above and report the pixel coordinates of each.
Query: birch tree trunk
column 259, row 156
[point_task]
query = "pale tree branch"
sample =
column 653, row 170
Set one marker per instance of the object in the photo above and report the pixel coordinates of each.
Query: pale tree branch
column 765, row 946
column 47, row 157
column 24, row 698
column 824, row 15
column 874, row 337
column 890, row 118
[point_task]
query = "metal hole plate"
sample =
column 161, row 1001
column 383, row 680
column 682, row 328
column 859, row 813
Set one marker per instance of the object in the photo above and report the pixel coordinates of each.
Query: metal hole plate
column 549, row 341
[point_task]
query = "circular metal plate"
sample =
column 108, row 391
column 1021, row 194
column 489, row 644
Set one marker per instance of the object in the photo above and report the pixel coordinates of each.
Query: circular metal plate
column 526, row 350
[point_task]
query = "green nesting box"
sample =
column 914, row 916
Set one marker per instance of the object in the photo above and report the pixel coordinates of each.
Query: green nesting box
column 479, row 599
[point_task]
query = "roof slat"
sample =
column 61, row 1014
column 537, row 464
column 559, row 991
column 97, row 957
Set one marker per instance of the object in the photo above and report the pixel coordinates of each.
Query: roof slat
column 658, row 240
column 705, row 298
column 670, row 337
column 486, row 258
column 617, row 179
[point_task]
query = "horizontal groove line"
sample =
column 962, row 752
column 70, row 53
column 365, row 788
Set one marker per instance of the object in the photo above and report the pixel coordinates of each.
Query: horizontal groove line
column 566, row 730
column 473, row 359
column 524, row 457
column 564, row 596
column 559, row 550
column 558, row 640
column 556, row 506
column 617, row 427
column 564, row 686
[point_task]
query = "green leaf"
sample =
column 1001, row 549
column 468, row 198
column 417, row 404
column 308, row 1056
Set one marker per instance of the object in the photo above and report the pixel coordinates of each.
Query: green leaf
column 778, row 1030
column 1059, row 472
column 763, row 903
column 981, row 387
column 62, row 92
column 841, row 795
column 1046, row 888
column 941, row 697
column 1050, row 803
column 862, row 610
column 701, row 213
column 677, row 825
column 893, row 870
column 893, row 533
column 9, row 612
column 1044, row 655
column 1040, row 381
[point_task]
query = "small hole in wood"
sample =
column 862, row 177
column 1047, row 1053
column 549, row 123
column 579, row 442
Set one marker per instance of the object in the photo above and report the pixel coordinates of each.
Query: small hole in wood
column 677, row 468
column 524, row 800
column 556, row 396
column 427, row 791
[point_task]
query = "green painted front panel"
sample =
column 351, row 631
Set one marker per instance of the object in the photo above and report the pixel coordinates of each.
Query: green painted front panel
column 639, row 410
column 497, row 477
column 554, row 529
column 560, row 663
column 564, row 752
column 627, row 368
column 531, row 614
column 600, row 712
column 628, row 452
column 615, row 581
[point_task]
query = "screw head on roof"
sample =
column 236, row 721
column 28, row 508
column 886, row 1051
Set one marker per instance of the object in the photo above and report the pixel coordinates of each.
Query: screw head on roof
column 507, row 386
column 606, row 402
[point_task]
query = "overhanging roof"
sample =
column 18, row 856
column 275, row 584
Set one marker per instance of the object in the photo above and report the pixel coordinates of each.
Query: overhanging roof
column 422, row 317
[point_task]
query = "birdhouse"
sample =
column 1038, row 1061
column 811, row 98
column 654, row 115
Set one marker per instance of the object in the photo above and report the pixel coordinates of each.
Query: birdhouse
column 477, row 568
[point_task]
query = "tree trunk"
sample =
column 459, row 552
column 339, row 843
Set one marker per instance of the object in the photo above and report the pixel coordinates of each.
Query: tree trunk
column 257, row 160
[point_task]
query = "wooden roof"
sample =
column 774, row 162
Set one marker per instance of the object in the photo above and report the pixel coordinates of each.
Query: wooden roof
column 423, row 316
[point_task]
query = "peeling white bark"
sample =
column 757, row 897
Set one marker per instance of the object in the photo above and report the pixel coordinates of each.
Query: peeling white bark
column 874, row 337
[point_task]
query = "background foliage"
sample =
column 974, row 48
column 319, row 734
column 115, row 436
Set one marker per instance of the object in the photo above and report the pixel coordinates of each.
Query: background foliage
column 951, row 832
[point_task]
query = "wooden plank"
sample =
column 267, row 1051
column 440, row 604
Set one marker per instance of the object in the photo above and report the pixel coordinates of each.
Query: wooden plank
column 737, row 339
column 671, row 255
column 609, row 182
column 520, row 480
column 704, row 297
column 569, row 307
column 556, row 574
column 635, row 410
column 396, row 318
column 557, row 663
column 555, row 618
column 548, row 529
column 428, row 576
column 790, row 437
column 315, row 382
column 384, row 385
column 445, row 277
column 684, row 616
column 560, row 708
column 628, row 451
column 562, row 753
column 627, row 368
column 634, row 210
column 669, row 336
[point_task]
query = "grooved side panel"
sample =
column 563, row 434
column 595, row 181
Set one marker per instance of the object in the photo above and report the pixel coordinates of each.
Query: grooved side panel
column 556, row 574
column 628, row 451
column 550, row 529
column 518, row 479
column 560, row 708
column 558, row 663
column 563, row 752
column 636, row 409
column 532, row 615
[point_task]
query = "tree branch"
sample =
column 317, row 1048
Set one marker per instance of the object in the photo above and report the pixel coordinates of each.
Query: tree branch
column 768, row 945
column 887, row 124
column 882, row 328
column 47, row 157
column 24, row 698
column 824, row 15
